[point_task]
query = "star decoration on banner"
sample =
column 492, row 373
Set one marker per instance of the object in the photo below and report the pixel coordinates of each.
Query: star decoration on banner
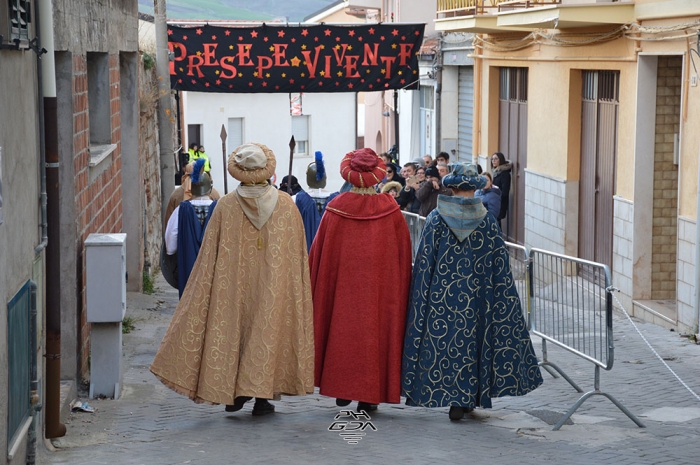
column 305, row 32
column 227, row 32
column 280, row 33
column 213, row 38
column 395, row 32
column 351, row 33
column 199, row 32
column 170, row 32
column 295, row 61
column 254, row 34
column 327, row 32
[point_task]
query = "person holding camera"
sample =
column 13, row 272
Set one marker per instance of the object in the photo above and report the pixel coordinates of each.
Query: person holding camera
column 428, row 192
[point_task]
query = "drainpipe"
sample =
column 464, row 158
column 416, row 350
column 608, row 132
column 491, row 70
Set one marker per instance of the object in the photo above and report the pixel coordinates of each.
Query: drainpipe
column 396, row 123
column 438, row 95
column 48, row 114
column 697, row 252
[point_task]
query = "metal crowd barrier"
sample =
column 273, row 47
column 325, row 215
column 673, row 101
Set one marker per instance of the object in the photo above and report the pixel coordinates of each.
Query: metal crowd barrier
column 571, row 307
column 567, row 302
column 415, row 227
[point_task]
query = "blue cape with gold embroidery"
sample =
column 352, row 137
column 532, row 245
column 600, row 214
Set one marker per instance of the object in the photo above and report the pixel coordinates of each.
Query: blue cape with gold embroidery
column 466, row 339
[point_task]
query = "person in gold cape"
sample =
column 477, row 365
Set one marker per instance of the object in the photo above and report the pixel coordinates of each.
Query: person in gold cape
column 244, row 325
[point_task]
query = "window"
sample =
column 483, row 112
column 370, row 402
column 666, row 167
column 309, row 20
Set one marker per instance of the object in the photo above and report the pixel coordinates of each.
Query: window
column 20, row 17
column 235, row 133
column 300, row 131
column 99, row 114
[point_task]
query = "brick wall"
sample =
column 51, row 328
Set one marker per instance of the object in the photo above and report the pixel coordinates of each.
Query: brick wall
column 150, row 157
column 98, row 204
column 668, row 101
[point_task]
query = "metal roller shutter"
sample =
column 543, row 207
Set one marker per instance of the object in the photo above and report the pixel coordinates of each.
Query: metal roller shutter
column 466, row 113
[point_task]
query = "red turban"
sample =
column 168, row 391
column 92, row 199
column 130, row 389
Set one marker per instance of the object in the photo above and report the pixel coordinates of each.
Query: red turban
column 363, row 168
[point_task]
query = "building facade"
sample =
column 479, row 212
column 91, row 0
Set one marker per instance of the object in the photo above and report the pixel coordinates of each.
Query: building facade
column 594, row 105
column 69, row 166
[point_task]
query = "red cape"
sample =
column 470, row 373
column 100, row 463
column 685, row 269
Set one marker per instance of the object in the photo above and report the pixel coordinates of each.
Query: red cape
column 360, row 278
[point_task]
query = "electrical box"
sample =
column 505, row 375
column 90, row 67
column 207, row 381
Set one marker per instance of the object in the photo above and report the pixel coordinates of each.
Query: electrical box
column 105, row 267
column 105, row 270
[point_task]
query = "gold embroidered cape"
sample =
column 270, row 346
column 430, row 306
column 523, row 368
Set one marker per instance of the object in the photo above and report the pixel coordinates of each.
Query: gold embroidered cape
column 244, row 325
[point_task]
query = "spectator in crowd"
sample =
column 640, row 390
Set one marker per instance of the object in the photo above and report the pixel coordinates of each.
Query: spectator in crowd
column 501, row 170
column 490, row 196
column 407, row 197
column 442, row 168
column 428, row 192
column 427, row 161
column 443, row 157
column 392, row 188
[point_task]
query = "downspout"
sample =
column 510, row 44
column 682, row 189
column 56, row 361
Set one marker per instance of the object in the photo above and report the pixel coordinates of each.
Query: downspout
column 438, row 95
column 478, row 78
column 48, row 114
column 697, row 253
column 396, row 123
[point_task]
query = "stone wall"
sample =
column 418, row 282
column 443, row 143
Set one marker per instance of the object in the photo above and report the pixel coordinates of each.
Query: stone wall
column 550, row 213
column 687, row 316
column 668, row 102
column 150, row 157
column 623, row 228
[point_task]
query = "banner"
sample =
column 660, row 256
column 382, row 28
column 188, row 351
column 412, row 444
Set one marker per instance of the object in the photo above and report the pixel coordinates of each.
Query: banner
column 317, row 58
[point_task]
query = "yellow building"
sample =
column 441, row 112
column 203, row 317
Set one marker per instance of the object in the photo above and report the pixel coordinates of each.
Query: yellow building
column 597, row 106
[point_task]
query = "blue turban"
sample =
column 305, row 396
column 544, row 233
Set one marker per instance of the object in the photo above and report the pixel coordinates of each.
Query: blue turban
column 464, row 177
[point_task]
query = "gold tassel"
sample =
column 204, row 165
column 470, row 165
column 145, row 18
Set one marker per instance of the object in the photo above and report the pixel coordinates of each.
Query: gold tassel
column 259, row 242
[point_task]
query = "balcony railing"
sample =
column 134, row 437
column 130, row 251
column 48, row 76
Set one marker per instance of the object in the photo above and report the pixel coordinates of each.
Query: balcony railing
column 452, row 8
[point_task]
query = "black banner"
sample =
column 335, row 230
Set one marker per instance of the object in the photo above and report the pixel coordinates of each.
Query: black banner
column 318, row 58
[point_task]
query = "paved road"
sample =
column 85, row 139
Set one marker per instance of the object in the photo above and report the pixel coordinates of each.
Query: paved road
column 149, row 424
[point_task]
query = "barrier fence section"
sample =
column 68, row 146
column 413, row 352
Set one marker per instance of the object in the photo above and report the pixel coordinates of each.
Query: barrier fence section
column 571, row 307
column 415, row 226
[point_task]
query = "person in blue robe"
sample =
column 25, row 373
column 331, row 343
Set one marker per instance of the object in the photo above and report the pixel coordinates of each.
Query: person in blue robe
column 189, row 239
column 184, row 231
column 466, row 339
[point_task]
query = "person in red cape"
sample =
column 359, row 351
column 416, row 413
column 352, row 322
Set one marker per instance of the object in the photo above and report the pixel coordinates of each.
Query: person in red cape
column 359, row 314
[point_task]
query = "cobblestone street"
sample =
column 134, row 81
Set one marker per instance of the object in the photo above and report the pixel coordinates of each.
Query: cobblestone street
column 150, row 424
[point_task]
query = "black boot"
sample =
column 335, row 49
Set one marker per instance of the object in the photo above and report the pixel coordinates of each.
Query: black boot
column 262, row 407
column 456, row 413
column 367, row 407
column 238, row 403
column 342, row 402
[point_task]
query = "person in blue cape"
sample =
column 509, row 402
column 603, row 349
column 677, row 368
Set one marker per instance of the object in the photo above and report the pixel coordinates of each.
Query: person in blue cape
column 311, row 204
column 466, row 339
column 185, row 230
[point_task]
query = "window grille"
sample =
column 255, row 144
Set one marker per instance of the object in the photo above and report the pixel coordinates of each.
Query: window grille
column 20, row 17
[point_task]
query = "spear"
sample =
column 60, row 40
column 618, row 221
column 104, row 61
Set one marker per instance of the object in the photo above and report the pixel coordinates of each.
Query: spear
column 223, row 153
column 292, row 144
